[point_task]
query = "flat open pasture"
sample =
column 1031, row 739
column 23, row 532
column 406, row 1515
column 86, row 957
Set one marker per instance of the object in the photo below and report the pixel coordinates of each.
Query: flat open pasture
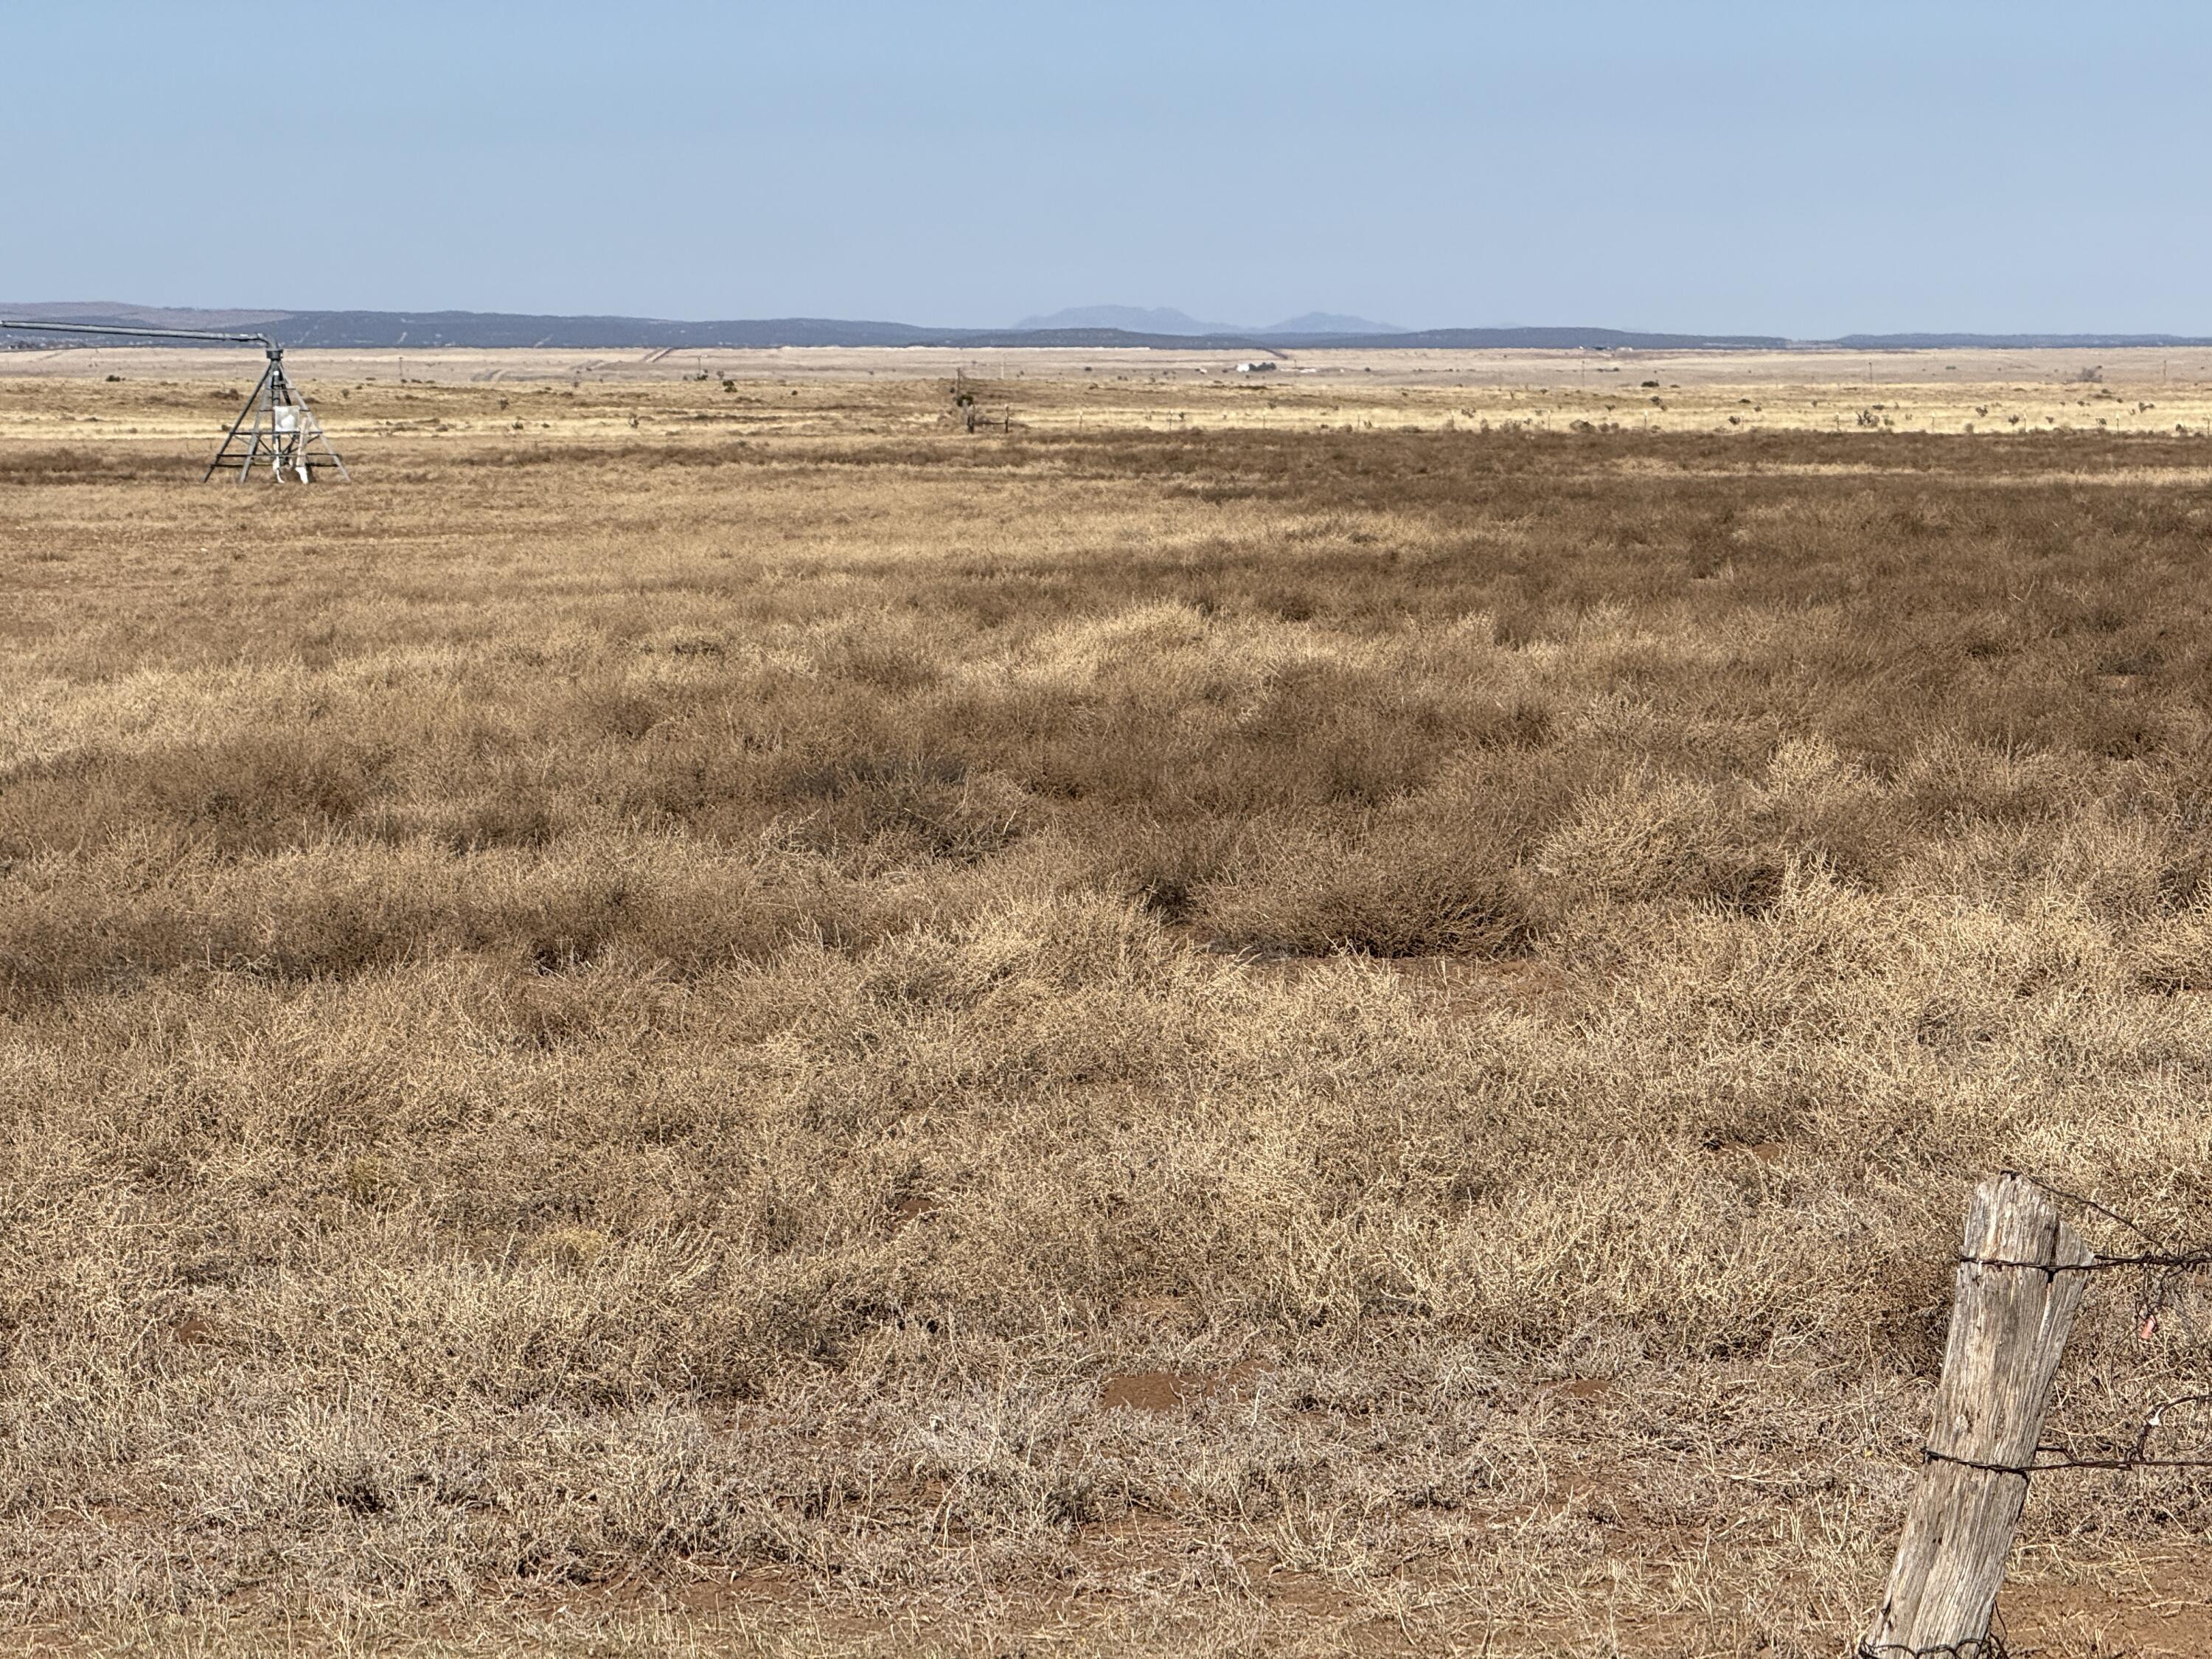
column 1210, row 1018
column 678, row 395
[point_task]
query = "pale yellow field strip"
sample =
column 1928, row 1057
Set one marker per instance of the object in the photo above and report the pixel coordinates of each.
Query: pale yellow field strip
column 175, row 394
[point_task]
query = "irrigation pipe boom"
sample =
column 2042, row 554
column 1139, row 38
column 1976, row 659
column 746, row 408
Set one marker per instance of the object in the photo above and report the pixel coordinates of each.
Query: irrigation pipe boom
column 284, row 432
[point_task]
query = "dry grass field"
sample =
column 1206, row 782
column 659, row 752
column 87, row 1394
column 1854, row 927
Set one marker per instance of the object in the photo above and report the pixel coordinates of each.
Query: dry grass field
column 706, row 1020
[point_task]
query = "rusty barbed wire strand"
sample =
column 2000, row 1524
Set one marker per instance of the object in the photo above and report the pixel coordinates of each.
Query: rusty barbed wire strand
column 2163, row 1268
column 1990, row 1644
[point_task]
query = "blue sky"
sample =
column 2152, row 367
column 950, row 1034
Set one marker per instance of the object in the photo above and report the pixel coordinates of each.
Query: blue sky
column 1786, row 166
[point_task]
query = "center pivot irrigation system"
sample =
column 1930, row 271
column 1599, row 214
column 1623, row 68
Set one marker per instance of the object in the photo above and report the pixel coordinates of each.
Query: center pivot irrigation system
column 282, row 431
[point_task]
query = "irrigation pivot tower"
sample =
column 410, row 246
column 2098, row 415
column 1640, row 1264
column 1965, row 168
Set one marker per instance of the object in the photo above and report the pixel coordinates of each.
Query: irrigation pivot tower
column 276, row 426
column 284, row 429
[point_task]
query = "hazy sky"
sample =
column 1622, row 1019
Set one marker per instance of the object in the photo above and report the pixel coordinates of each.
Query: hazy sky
column 1787, row 166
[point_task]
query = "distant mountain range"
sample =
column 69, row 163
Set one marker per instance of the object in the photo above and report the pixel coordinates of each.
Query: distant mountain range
column 2008, row 342
column 1135, row 320
column 1100, row 326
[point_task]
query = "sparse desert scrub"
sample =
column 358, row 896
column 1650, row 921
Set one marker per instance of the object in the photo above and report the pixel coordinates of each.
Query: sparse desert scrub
column 1379, row 1034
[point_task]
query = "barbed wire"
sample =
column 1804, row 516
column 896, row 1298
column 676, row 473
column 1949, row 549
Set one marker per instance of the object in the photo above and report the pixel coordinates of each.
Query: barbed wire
column 2064, row 1455
column 2164, row 1266
column 1989, row 1647
column 2164, row 1269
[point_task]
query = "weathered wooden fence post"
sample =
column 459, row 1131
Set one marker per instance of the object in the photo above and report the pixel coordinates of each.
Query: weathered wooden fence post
column 2009, row 1327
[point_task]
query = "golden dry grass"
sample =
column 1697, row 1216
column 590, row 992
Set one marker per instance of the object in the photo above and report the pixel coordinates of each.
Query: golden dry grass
column 680, row 397
column 832, row 1035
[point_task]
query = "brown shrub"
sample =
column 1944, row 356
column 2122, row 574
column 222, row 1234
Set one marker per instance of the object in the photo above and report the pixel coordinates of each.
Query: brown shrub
column 696, row 1028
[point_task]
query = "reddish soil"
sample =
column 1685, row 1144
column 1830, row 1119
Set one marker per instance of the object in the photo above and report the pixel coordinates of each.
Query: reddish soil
column 2157, row 1607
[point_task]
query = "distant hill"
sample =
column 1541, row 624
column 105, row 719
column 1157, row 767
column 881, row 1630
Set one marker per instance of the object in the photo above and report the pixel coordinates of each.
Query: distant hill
column 1568, row 339
column 2008, row 342
column 1329, row 322
column 114, row 313
column 332, row 330
column 496, row 328
column 1132, row 319
column 1135, row 320
column 1156, row 329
